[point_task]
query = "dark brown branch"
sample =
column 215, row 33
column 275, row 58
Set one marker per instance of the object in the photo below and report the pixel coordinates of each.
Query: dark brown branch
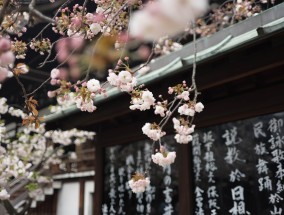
column 22, row 86
column 38, row 14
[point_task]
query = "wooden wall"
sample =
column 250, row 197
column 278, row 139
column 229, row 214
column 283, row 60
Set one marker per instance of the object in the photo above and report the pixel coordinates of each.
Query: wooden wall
column 243, row 83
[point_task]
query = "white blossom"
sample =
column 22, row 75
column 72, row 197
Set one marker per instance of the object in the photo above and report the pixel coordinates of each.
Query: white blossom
column 54, row 74
column 160, row 110
column 183, row 131
column 199, row 107
column 164, row 159
column 4, row 194
column 95, row 28
column 186, row 110
column 140, row 185
column 144, row 102
column 93, row 85
column 153, row 131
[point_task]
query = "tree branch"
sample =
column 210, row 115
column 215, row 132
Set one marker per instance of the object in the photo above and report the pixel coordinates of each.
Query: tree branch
column 38, row 14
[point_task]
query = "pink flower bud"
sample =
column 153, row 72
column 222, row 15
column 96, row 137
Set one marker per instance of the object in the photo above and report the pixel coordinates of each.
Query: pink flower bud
column 53, row 81
column 54, row 73
column 51, row 94
column 5, row 44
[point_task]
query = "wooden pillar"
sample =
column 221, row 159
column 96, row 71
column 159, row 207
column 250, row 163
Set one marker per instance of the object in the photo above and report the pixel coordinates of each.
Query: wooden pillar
column 99, row 179
column 185, row 180
column 81, row 197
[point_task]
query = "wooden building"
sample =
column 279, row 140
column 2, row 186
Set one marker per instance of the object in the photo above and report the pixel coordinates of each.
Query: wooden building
column 240, row 75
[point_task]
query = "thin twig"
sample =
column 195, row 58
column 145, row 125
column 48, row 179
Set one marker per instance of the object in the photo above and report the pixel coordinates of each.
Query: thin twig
column 37, row 89
column 148, row 60
column 193, row 81
column 22, row 86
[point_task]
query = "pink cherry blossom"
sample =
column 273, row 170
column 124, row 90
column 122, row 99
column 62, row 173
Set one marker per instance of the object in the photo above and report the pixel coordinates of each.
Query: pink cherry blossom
column 4, row 194
column 186, row 110
column 160, row 110
column 140, row 185
column 54, row 73
column 5, row 44
column 164, row 158
column 153, row 131
column 93, row 85
column 199, row 107
column 183, row 131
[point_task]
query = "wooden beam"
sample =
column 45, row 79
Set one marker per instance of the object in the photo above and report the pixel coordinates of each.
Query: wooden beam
column 81, row 196
column 99, row 179
column 185, row 180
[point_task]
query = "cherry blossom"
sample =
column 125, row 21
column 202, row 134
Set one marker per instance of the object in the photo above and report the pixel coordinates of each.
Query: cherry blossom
column 186, row 110
column 142, row 100
column 54, row 74
column 183, row 130
column 198, row 107
column 125, row 81
column 165, row 18
column 139, row 183
column 164, row 158
column 93, row 85
column 153, row 131
column 160, row 109
column 85, row 104
column 4, row 194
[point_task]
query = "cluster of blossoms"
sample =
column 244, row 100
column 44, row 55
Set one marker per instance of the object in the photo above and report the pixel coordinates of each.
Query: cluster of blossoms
column 165, row 109
column 86, row 94
column 184, row 130
column 19, row 48
column 31, row 151
column 17, row 112
column 122, row 77
column 116, row 16
column 83, row 96
column 7, row 61
column 226, row 15
column 165, row 18
column 165, row 46
column 139, row 183
column 15, row 22
column 142, row 100
column 124, row 80
column 42, row 46
column 63, row 102
column 184, row 103
column 190, row 108
column 78, row 22
column 163, row 157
